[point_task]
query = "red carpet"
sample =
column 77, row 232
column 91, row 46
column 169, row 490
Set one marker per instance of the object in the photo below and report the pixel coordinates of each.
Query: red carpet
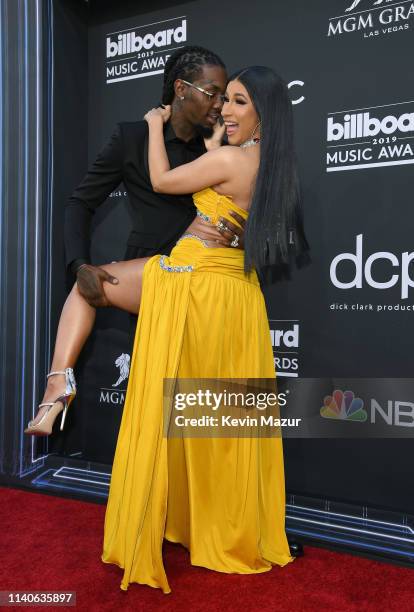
column 51, row 543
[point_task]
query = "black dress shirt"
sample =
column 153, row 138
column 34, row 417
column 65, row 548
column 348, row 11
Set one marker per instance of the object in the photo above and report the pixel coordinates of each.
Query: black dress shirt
column 158, row 219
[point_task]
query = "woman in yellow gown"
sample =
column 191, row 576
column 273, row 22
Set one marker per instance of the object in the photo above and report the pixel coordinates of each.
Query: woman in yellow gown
column 203, row 315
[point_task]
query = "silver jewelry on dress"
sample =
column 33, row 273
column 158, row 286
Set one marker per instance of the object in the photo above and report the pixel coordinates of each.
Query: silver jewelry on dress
column 168, row 268
column 203, row 216
column 235, row 241
column 189, row 235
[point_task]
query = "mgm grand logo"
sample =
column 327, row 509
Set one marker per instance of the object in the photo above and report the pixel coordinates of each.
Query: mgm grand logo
column 355, row 4
column 114, row 395
column 373, row 18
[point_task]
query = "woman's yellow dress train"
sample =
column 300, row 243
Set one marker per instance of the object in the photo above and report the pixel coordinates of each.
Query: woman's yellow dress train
column 222, row 498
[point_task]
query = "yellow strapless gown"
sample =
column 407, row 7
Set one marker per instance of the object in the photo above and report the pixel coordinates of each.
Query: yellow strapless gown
column 222, row 498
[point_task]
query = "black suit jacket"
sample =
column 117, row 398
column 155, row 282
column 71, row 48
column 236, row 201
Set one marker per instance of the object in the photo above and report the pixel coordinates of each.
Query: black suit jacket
column 158, row 220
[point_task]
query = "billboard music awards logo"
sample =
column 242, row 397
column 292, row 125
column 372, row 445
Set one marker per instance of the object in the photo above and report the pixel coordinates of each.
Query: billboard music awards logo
column 117, row 396
column 284, row 335
column 371, row 19
column 344, row 406
column 144, row 50
column 370, row 137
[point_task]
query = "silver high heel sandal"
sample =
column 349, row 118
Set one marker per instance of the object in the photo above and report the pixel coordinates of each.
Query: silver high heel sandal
column 45, row 425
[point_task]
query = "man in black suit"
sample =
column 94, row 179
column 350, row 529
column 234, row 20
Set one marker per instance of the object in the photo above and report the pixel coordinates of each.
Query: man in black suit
column 194, row 83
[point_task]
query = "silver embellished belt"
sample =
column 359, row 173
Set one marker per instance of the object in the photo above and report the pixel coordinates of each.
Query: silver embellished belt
column 168, row 268
column 190, row 267
column 203, row 216
column 190, row 235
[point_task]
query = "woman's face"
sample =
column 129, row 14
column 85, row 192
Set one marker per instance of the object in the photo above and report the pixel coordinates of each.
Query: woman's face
column 239, row 114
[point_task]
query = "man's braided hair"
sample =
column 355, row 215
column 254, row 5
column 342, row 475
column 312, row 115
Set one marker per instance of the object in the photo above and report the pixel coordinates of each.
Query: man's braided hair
column 186, row 63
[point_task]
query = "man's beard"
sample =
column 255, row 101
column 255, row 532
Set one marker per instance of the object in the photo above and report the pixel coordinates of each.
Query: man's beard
column 207, row 132
column 203, row 130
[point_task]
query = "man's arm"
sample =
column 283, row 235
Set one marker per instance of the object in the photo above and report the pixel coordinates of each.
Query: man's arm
column 102, row 178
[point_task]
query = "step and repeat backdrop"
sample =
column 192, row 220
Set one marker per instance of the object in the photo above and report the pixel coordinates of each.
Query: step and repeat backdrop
column 350, row 314
column 348, row 317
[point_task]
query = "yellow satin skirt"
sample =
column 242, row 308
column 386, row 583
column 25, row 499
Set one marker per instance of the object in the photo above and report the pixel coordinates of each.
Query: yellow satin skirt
column 221, row 498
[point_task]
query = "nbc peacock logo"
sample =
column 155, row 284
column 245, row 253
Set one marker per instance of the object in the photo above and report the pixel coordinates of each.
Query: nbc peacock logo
column 343, row 405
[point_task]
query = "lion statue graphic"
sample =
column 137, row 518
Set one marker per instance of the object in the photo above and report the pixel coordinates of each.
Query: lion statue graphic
column 123, row 364
column 356, row 2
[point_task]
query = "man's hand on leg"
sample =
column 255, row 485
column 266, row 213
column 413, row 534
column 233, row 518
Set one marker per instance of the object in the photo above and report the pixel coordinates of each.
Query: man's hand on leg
column 90, row 281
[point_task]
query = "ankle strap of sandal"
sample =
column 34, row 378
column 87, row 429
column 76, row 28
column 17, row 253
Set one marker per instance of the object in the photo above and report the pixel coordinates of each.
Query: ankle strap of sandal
column 57, row 372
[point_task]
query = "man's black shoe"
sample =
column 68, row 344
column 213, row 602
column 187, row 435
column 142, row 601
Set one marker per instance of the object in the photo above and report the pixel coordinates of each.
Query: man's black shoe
column 296, row 548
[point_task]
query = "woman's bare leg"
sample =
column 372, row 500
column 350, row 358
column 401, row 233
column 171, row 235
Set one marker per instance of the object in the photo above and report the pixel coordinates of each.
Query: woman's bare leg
column 78, row 318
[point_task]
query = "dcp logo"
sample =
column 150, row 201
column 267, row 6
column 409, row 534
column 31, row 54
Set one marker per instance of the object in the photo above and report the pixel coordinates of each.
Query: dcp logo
column 364, row 269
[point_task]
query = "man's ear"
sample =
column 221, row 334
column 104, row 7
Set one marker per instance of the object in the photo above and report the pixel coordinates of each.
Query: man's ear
column 179, row 88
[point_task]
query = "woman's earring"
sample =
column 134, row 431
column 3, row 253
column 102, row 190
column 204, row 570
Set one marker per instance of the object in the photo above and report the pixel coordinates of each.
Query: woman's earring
column 181, row 97
column 254, row 131
column 252, row 141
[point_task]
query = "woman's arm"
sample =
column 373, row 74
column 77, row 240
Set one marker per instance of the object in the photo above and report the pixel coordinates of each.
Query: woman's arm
column 210, row 169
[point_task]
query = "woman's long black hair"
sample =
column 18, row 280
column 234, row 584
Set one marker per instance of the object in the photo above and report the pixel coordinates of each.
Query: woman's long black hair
column 274, row 229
